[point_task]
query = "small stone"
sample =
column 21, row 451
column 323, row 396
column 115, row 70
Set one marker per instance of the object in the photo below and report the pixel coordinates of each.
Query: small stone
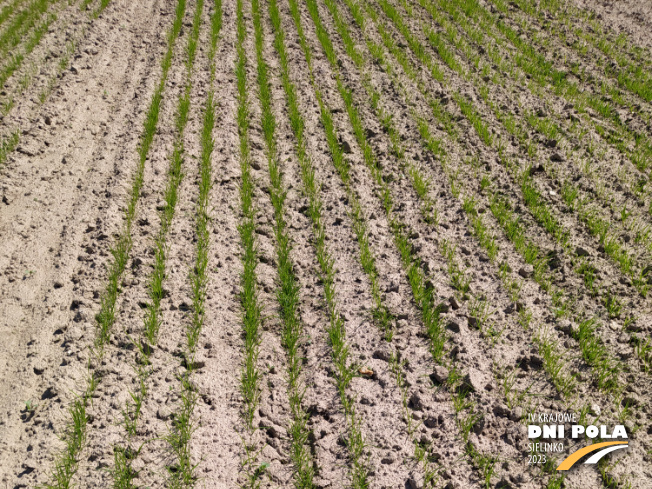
column 430, row 421
column 579, row 251
column 537, row 169
column 453, row 326
column 274, row 431
column 415, row 481
column 501, row 410
column 415, row 402
column 440, row 374
column 164, row 413
column 381, row 354
column 526, row 271
column 392, row 287
column 454, row 304
column 479, row 425
column 475, row 380
column 366, row 372
column 595, row 409
column 74, row 69
column 517, row 413
column 630, row 400
column 50, row 393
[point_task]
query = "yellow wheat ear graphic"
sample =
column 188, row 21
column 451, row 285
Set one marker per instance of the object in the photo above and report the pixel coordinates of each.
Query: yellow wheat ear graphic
column 604, row 448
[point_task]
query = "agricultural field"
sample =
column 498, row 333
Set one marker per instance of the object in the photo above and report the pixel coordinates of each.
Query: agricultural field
column 324, row 243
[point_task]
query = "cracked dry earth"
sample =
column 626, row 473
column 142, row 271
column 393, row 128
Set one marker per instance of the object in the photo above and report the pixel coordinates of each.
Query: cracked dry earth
column 323, row 243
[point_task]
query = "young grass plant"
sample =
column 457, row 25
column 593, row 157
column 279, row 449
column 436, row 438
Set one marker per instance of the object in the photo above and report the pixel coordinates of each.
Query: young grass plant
column 66, row 463
column 7, row 145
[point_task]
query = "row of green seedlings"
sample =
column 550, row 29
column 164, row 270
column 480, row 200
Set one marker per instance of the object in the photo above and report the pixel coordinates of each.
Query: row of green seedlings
column 288, row 291
column 33, row 40
column 552, row 360
column 630, row 70
column 124, row 456
column 534, row 64
column 543, row 126
column 251, row 307
column 437, row 147
column 586, row 326
column 466, row 409
column 526, row 64
column 311, row 189
column 7, row 145
column 74, row 438
column 601, row 100
column 62, row 65
column 532, row 198
column 422, row 453
column 596, row 225
column 478, row 307
column 182, row 472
